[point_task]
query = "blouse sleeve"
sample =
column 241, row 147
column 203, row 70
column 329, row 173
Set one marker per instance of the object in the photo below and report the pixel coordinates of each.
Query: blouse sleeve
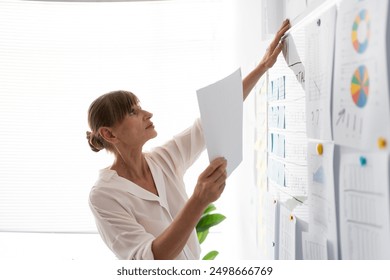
column 120, row 230
column 182, row 151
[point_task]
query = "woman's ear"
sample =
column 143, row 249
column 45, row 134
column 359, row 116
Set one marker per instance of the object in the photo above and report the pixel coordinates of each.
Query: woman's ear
column 107, row 135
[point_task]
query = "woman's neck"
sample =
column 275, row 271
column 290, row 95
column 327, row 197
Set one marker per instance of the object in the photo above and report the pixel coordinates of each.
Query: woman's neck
column 135, row 169
column 132, row 165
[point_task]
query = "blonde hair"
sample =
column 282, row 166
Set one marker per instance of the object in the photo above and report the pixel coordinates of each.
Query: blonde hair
column 106, row 111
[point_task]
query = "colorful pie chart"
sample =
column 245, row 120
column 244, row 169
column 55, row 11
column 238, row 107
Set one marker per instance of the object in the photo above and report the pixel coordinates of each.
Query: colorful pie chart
column 360, row 86
column 361, row 31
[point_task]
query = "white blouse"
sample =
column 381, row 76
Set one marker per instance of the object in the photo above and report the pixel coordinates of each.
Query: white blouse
column 129, row 218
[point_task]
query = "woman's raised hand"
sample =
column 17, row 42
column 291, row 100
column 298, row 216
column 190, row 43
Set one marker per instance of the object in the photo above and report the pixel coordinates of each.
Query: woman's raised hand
column 275, row 47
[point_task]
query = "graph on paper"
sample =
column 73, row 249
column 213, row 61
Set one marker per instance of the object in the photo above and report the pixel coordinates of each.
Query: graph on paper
column 319, row 54
column 360, row 89
column 361, row 31
column 360, row 86
column 364, row 206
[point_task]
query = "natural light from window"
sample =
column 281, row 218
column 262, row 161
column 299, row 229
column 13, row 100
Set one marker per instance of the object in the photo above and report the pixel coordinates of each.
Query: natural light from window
column 56, row 58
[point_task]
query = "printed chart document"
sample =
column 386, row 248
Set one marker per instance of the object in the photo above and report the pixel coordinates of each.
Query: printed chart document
column 364, row 205
column 322, row 201
column 293, row 60
column 314, row 247
column 287, row 230
column 221, row 109
column 270, row 227
column 319, row 70
column 361, row 86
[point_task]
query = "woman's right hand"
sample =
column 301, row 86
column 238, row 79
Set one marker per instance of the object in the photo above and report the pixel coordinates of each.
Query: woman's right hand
column 211, row 182
column 210, row 185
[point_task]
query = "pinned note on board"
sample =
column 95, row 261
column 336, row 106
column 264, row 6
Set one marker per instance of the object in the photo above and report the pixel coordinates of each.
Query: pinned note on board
column 293, row 60
column 269, row 230
column 287, row 234
column 314, row 247
column 361, row 113
column 364, row 205
column 319, row 51
column 322, row 197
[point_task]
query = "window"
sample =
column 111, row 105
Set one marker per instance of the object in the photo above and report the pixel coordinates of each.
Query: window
column 57, row 57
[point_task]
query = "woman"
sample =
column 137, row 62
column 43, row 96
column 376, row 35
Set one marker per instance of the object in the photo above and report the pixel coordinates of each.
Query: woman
column 140, row 205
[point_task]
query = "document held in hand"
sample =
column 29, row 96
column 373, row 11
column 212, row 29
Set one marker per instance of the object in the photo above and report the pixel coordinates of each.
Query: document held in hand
column 221, row 111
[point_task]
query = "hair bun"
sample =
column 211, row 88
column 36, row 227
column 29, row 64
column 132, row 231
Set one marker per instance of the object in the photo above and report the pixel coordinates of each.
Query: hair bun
column 94, row 142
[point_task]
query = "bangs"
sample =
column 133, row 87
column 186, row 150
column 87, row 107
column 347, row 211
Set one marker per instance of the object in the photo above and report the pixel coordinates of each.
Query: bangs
column 121, row 104
column 111, row 108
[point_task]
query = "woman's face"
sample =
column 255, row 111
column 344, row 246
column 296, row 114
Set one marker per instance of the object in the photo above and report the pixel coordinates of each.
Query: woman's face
column 135, row 129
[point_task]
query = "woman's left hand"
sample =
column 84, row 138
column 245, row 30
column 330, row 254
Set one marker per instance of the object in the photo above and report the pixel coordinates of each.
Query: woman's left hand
column 275, row 47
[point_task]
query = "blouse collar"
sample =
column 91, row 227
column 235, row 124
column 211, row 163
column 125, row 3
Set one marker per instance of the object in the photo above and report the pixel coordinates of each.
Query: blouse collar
column 108, row 175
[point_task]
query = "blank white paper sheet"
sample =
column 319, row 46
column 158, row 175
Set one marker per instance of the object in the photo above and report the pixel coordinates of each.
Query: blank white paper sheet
column 221, row 109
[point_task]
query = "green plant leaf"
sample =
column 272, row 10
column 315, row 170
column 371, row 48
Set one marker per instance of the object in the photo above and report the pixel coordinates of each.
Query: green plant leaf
column 210, row 255
column 209, row 209
column 208, row 221
column 202, row 235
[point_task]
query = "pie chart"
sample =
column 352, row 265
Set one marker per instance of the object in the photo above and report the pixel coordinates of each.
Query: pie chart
column 361, row 31
column 360, row 86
